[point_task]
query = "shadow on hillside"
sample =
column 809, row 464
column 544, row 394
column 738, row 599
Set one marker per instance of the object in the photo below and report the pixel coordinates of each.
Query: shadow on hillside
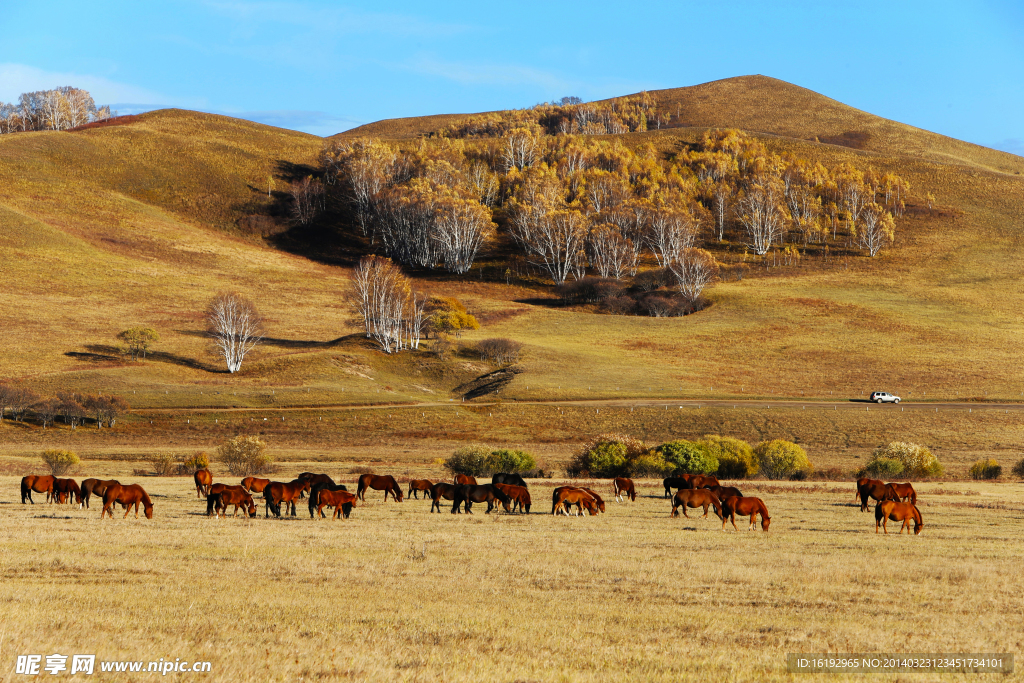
column 107, row 353
column 306, row 343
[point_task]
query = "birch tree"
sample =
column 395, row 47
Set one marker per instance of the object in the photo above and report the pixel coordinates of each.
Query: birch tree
column 552, row 239
column 460, row 228
column 695, row 270
column 876, row 228
column 761, row 212
column 392, row 315
column 669, row 232
column 235, row 326
column 611, row 254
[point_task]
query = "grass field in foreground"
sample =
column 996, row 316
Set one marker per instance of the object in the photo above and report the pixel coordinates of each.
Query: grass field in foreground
column 396, row 593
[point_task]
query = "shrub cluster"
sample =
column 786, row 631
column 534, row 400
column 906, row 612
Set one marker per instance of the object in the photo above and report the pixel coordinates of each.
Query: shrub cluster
column 780, row 459
column 643, row 298
column 500, row 351
column 735, row 457
column 192, row 464
column 688, row 457
column 906, row 459
column 163, row 465
column 245, row 456
column 59, row 461
column 479, row 461
column 615, row 455
column 1018, row 469
column 986, row 469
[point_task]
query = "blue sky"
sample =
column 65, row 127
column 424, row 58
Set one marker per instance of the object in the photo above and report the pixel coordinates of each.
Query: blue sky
column 322, row 67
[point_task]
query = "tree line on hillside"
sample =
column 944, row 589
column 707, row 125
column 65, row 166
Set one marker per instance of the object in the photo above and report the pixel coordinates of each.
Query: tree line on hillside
column 577, row 207
column 58, row 109
column 70, row 407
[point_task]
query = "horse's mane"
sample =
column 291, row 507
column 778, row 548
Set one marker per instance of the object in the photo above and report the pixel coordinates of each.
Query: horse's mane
column 145, row 499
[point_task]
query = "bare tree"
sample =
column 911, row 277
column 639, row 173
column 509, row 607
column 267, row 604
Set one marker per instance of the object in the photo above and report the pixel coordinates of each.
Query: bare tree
column 761, row 211
column 235, row 326
column 307, row 200
column 46, row 410
column 460, row 228
column 669, row 232
column 70, row 408
column 552, row 239
column 611, row 254
column 382, row 295
column 17, row 400
column 520, row 149
column 876, row 228
column 722, row 193
column 695, row 270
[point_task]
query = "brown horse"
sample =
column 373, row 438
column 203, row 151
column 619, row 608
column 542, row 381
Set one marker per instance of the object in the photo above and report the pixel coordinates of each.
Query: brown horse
column 42, row 483
column 441, row 491
column 314, row 480
column 213, row 496
column 203, row 479
column 464, row 480
column 519, row 495
column 623, row 488
column 126, row 496
column 902, row 493
column 564, row 497
column 97, row 487
column 724, row 492
column 63, row 488
column 734, row 505
column 277, row 492
column 467, row 494
column 254, row 485
column 337, row 500
column 872, row 488
column 695, row 498
column 905, row 512
column 385, row 483
column 704, row 481
column 681, row 481
column 417, row 485
column 597, row 498
column 231, row 495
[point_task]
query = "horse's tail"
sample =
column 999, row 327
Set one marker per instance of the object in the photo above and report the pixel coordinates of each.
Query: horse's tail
column 314, row 497
column 913, row 497
column 211, row 503
column 24, row 491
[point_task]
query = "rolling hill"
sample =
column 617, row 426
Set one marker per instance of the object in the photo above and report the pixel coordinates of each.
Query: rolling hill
column 139, row 223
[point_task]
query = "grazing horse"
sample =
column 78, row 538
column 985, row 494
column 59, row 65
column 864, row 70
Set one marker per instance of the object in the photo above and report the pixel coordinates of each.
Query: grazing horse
column 441, row 491
column 519, row 495
column 385, row 483
column 341, row 501
column 679, row 482
column 905, row 512
column 277, row 492
column 734, row 505
column 511, row 479
column 902, row 493
column 597, row 498
column 97, row 487
column 723, row 492
column 42, row 483
column 467, row 494
column 254, row 485
column 314, row 479
column 314, row 496
column 233, row 495
column 872, row 488
column 464, row 480
column 213, row 493
column 203, row 479
column 695, row 498
column 565, row 497
column 126, row 496
column 63, row 488
column 417, row 485
column 623, row 488
column 704, row 481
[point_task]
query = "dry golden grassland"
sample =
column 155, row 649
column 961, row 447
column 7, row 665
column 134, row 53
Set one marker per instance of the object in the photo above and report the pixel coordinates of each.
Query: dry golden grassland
column 396, row 593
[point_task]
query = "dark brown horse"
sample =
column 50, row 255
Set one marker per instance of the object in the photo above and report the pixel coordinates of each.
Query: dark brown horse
column 898, row 512
column 126, row 496
column 385, row 483
column 441, row 491
column 902, row 492
column 341, row 501
column 724, row 492
column 519, row 495
column 213, row 495
column 231, row 495
column 467, row 494
column 203, row 479
column 465, row 480
column 314, row 480
column 695, row 498
column 704, row 481
column 564, row 497
column 42, row 483
column 872, row 488
column 254, row 485
column 97, row 487
column 681, row 481
column 417, row 485
column 277, row 492
column 736, row 505
column 64, row 488
column 314, row 497
column 623, row 487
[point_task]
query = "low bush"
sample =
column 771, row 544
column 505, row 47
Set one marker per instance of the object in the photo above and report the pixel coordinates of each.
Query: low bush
column 986, row 469
column 245, row 456
column 610, row 455
column 59, row 461
column 780, row 459
column 500, row 351
column 468, row 460
column 163, row 465
column 884, row 468
column 917, row 460
column 735, row 456
column 688, row 457
column 194, row 463
column 509, row 460
column 1018, row 469
column 478, row 461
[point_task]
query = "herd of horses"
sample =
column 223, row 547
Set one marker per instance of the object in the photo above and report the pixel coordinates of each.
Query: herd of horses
column 894, row 502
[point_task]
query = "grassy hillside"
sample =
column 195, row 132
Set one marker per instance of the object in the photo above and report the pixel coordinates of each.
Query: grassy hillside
column 139, row 224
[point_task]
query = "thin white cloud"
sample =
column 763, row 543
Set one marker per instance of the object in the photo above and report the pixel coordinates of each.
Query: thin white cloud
column 16, row 79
